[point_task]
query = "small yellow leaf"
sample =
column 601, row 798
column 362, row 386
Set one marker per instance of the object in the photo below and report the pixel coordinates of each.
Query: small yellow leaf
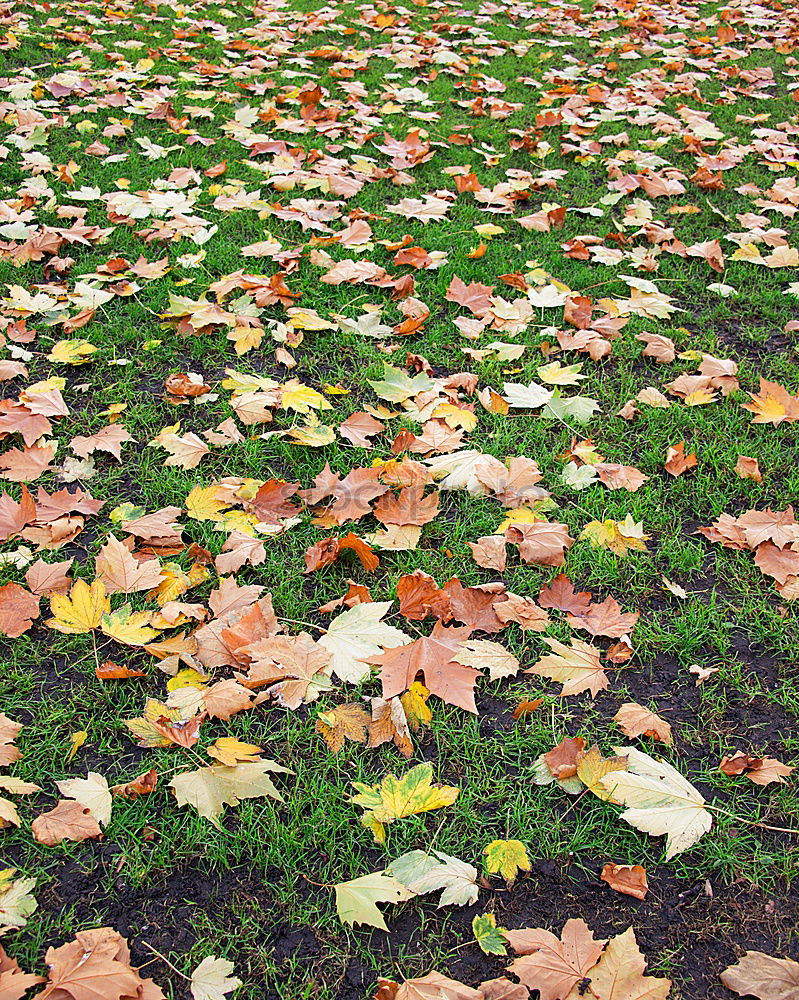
column 506, row 858
column 414, row 701
column 345, row 722
column 230, row 751
column 395, row 798
column 76, row 740
column 187, row 677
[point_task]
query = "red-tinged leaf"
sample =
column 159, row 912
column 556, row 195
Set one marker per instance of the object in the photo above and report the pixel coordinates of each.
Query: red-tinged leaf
column 110, row 671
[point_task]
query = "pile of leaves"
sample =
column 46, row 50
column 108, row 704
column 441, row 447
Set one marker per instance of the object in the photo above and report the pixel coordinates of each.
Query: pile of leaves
column 339, row 350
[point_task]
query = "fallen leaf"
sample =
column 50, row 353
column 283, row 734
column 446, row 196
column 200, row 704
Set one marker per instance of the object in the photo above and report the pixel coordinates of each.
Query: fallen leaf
column 506, row 858
column 763, row 976
column 213, row 979
column 356, row 901
column 635, row 720
column 630, row 880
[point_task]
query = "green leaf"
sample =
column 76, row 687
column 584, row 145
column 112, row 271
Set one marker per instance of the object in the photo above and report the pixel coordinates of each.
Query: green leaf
column 490, row 937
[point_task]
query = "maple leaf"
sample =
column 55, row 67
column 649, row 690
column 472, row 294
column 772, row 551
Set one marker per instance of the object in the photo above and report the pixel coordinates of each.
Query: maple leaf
column 522, row 610
column 434, row 986
column 81, row 610
column 132, row 628
column 503, row 989
column 121, row 572
column 763, row 976
column 659, row 801
column 49, row 578
column 427, row 871
column 619, row 974
column 677, row 462
column 390, row 722
column 69, row 820
column 108, row 439
column 358, row 634
column 488, row 936
column 18, row 609
column 593, row 771
column 605, row 619
column 482, row 654
column 433, row 657
column 209, row 789
column 356, row 901
column 525, row 397
column 577, row 667
column 9, row 730
column 773, row 404
column 213, row 979
column 344, row 722
column 229, row 597
column 13, row 980
column 544, row 543
column 759, row 770
column 91, row 792
column 635, row 720
column 359, row 427
column 553, row 965
column 143, row 784
column 226, row 698
column 394, row 798
column 16, row 904
column 396, row 385
column 506, row 858
column 294, row 667
column 419, row 596
column 15, row 516
column 28, row 464
column 620, row 537
column 560, row 594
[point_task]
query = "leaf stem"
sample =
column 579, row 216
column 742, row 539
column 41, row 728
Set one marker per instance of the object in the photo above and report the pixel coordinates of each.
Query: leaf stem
column 165, row 960
column 752, row 822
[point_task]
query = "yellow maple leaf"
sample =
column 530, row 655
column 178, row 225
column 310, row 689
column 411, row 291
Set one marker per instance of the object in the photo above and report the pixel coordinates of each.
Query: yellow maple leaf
column 245, row 338
column 302, row 398
column 203, row 503
column 230, row 751
column 132, row 628
column 344, row 722
column 187, row 677
column 454, row 417
column 314, row 435
column 506, row 858
column 81, row 610
column 519, row 515
column 307, row 319
column 394, row 798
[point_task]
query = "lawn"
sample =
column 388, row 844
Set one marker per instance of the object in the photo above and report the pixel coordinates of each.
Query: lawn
column 399, row 391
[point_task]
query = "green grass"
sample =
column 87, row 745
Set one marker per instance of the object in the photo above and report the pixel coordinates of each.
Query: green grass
column 273, row 865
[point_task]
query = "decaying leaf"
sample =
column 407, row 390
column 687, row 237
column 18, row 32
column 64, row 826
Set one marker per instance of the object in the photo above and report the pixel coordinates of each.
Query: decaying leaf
column 628, row 879
column 763, row 976
column 209, row 789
